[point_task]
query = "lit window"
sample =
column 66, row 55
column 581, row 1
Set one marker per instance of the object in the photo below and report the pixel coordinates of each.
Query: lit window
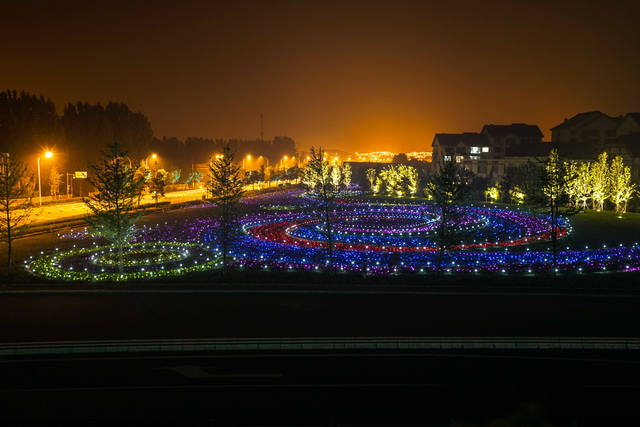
column 459, row 159
column 447, row 158
column 485, row 149
column 475, row 150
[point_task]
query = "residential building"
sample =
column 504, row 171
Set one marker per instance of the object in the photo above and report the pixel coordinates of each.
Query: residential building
column 593, row 127
column 489, row 152
column 630, row 123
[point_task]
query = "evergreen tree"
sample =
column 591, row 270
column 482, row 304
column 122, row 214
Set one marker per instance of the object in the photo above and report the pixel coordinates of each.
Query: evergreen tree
column 319, row 182
column 157, row 184
column 16, row 207
column 226, row 187
column 113, row 206
column 448, row 192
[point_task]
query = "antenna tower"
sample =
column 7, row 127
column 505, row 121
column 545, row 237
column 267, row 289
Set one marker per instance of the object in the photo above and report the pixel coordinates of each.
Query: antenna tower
column 261, row 127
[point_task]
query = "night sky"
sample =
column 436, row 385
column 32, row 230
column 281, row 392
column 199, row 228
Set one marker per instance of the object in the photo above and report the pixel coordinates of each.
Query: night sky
column 352, row 75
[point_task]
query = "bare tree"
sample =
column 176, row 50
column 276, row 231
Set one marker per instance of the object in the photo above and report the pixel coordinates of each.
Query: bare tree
column 16, row 192
column 55, row 178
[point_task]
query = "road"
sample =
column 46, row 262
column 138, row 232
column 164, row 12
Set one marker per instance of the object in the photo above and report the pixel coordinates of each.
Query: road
column 318, row 386
column 75, row 208
column 118, row 315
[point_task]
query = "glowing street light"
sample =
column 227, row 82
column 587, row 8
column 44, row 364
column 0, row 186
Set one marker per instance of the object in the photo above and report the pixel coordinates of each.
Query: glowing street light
column 266, row 158
column 248, row 157
column 146, row 161
column 47, row 155
column 130, row 163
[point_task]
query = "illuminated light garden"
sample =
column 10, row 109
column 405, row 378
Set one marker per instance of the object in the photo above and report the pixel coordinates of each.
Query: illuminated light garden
column 380, row 238
column 141, row 260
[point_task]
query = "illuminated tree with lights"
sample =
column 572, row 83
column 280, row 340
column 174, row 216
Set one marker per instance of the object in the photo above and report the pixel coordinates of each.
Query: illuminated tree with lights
column 174, row 177
column 371, row 177
column 113, row 212
column 16, row 207
column 226, row 187
column 336, row 176
column 319, row 182
column 493, row 193
column 600, row 182
column 521, row 181
column 142, row 174
column 517, row 196
column 194, row 178
column 572, row 186
column 448, row 192
column 582, row 185
column 621, row 188
column 410, row 179
column 347, row 173
column 397, row 180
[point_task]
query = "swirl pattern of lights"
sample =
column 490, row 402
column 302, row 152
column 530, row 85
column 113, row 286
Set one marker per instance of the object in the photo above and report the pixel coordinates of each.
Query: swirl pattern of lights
column 388, row 238
column 378, row 238
column 141, row 261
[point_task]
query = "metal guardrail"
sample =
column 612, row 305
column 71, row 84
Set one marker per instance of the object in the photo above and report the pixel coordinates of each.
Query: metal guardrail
column 325, row 343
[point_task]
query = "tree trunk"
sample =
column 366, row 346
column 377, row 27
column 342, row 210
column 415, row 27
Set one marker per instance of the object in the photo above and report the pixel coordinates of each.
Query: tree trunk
column 120, row 259
column 9, row 242
column 554, row 235
column 225, row 218
column 329, row 236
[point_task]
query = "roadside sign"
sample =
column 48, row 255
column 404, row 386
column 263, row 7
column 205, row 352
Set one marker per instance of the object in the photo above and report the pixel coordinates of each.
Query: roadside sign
column 80, row 174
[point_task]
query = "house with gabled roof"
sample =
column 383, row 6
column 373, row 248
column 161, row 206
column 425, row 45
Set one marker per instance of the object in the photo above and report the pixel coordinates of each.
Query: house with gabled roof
column 503, row 137
column 628, row 147
column 485, row 153
column 460, row 145
column 630, row 123
column 592, row 127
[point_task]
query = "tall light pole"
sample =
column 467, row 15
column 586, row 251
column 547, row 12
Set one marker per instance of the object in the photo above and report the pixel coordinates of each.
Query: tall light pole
column 130, row 164
column 248, row 156
column 266, row 158
column 47, row 155
column 146, row 161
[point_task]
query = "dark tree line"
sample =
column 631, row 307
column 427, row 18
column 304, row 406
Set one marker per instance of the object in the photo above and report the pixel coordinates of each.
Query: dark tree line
column 30, row 124
column 182, row 154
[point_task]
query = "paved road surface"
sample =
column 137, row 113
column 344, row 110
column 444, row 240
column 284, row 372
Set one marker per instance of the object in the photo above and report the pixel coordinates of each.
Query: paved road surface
column 316, row 388
column 133, row 315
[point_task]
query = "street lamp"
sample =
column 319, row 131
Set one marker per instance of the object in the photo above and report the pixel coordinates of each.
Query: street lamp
column 47, row 155
column 248, row 156
column 266, row 158
column 284, row 162
column 146, row 161
column 130, row 164
column 265, row 169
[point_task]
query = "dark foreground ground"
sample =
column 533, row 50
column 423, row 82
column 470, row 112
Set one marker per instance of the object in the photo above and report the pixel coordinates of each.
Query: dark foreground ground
column 466, row 385
column 374, row 386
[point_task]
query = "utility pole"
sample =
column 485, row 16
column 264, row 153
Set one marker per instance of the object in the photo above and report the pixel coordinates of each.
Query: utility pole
column 261, row 127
